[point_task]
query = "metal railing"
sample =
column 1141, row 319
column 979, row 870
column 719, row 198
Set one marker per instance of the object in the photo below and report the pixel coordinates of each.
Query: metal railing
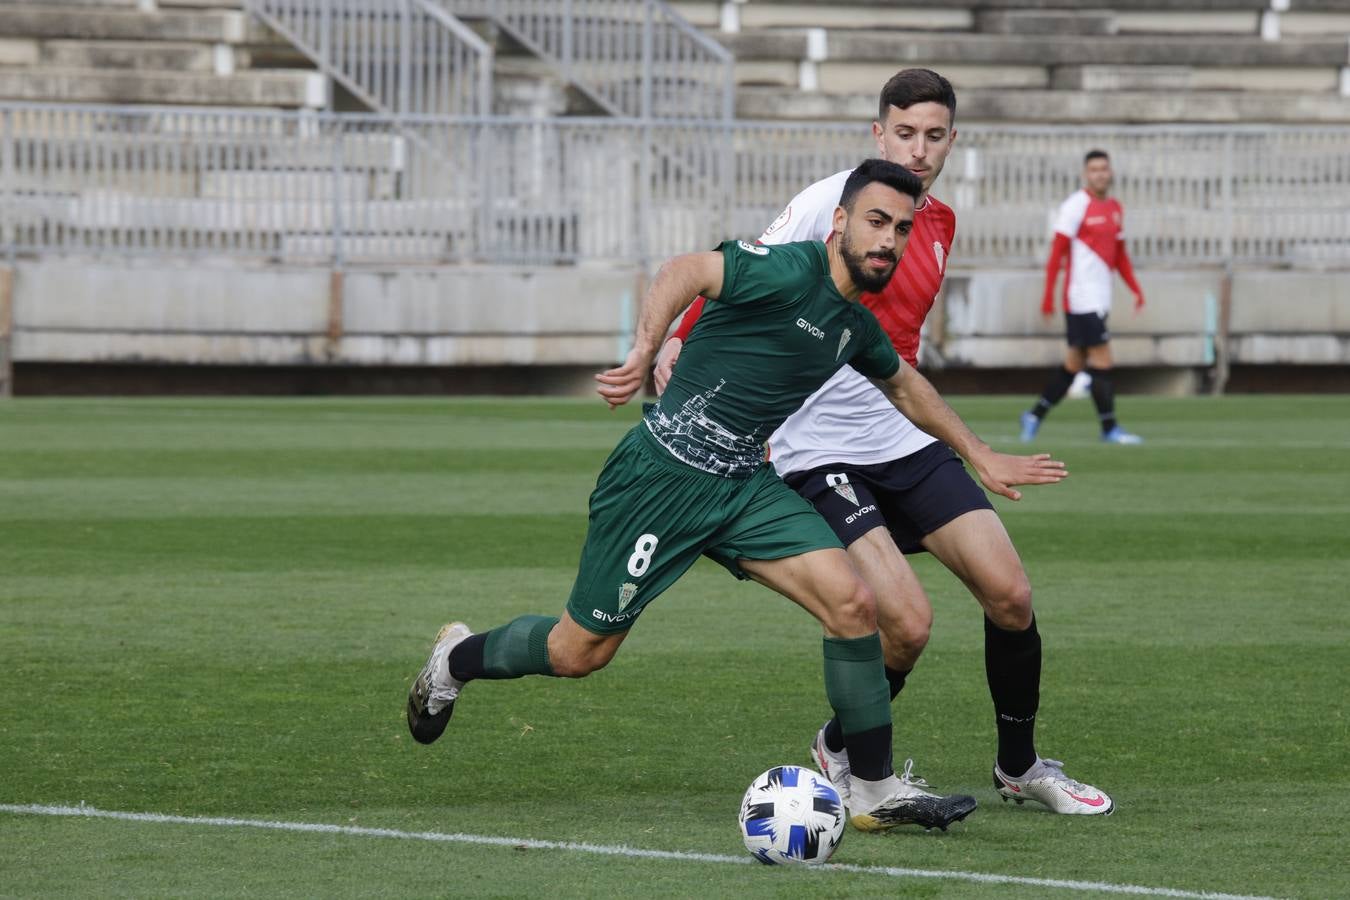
column 634, row 58
column 401, row 57
column 317, row 188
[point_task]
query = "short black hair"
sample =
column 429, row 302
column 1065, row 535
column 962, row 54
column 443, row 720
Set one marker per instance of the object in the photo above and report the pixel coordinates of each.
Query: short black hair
column 910, row 86
column 888, row 173
column 1096, row 154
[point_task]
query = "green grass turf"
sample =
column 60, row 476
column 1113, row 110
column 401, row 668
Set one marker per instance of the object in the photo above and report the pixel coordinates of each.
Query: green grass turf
column 214, row 608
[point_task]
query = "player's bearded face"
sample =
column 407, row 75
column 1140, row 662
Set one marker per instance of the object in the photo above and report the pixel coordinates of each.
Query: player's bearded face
column 863, row 265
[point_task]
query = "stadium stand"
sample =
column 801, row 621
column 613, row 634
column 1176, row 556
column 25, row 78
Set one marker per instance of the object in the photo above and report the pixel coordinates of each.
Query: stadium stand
column 366, row 171
column 182, row 52
column 1071, row 61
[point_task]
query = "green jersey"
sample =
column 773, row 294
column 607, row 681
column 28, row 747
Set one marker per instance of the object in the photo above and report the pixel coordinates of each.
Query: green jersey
column 778, row 331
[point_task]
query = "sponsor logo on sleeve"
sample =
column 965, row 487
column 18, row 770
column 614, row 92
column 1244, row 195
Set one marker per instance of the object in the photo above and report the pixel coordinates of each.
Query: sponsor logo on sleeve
column 757, row 249
column 939, row 254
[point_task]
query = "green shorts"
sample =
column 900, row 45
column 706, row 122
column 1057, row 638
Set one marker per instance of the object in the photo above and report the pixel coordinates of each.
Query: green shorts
column 652, row 516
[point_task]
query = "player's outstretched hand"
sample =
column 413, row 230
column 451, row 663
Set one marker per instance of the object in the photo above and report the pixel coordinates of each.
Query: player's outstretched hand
column 619, row 385
column 1138, row 302
column 1000, row 471
column 665, row 363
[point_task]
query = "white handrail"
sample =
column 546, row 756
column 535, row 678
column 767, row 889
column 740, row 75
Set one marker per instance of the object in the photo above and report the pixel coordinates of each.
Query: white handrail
column 635, row 58
column 404, row 57
column 320, row 188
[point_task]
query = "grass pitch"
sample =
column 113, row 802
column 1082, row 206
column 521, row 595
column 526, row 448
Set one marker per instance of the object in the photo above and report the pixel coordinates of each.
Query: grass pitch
column 214, row 608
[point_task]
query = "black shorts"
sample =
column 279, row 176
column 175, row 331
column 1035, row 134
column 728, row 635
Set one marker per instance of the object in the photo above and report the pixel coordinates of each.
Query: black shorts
column 912, row 496
column 1085, row 330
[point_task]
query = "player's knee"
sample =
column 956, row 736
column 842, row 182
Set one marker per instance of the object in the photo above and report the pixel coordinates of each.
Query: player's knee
column 1008, row 604
column 575, row 665
column 853, row 611
column 905, row 635
column 578, row 661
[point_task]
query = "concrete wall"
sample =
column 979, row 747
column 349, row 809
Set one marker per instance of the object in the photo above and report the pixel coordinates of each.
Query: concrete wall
column 93, row 312
column 89, row 312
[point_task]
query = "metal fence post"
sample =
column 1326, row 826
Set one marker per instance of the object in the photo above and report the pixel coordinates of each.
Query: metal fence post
column 404, row 63
column 6, row 331
column 1228, row 176
column 568, row 37
column 9, row 229
column 648, row 48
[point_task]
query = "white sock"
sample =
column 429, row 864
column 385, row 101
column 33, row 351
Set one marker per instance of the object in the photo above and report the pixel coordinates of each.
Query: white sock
column 864, row 794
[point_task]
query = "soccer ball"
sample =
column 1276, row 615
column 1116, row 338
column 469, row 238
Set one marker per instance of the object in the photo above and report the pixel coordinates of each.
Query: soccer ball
column 791, row 816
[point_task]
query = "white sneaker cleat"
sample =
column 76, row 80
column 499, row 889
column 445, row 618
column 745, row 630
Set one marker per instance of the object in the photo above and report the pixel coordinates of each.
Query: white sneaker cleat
column 1119, row 435
column 834, row 766
column 912, row 805
column 431, row 699
column 1045, row 782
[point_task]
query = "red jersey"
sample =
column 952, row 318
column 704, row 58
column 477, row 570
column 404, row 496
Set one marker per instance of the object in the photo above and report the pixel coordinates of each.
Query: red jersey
column 903, row 304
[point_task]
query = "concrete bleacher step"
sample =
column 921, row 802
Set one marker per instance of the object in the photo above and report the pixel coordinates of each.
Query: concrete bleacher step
column 705, row 14
column 97, row 23
column 1188, row 78
column 274, row 88
column 180, row 56
column 1063, row 106
column 1044, row 22
column 914, row 47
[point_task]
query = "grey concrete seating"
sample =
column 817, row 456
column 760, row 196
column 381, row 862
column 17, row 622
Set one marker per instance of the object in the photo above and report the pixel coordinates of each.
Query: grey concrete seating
column 1071, row 61
column 116, row 52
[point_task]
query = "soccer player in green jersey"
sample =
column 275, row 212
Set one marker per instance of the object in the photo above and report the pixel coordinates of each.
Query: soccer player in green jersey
column 691, row 479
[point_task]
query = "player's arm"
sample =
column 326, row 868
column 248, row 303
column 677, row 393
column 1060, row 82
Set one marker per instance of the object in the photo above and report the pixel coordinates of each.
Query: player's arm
column 808, row 217
column 670, row 350
column 1126, row 269
column 1059, row 250
column 916, row 397
column 675, row 285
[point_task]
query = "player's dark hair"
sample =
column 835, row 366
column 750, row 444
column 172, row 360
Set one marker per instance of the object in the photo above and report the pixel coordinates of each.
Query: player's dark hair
column 1096, row 154
column 888, row 173
column 910, row 86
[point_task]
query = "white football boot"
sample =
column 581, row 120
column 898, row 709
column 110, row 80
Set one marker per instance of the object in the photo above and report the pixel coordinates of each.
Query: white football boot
column 1045, row 782
column 834, row 766
column 431, row 699
column 907, row 803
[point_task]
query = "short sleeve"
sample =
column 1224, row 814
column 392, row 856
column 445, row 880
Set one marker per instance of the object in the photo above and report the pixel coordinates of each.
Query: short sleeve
column 810, row 214
column 1070, row 216
column 754, row 272
column 875, row 356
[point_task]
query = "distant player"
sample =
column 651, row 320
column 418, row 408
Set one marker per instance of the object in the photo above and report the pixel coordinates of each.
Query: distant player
column 888, row 488
column 1089, row 234
column 691, row 479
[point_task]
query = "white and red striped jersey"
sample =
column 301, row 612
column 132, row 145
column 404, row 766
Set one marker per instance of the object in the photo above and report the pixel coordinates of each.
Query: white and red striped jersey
column 1095, row 229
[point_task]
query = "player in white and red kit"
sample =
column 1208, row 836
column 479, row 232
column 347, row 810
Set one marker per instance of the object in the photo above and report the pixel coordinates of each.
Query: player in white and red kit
column 1089, row 233
column 888, row 488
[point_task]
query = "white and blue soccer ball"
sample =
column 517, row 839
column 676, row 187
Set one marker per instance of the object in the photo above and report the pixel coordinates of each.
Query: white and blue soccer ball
column 791, row 816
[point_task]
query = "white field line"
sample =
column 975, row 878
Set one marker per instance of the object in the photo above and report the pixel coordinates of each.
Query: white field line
column 1103, row 887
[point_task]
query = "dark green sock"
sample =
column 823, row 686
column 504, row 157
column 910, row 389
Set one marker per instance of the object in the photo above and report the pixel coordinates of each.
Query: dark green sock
column 517, row 648
column 855, row 683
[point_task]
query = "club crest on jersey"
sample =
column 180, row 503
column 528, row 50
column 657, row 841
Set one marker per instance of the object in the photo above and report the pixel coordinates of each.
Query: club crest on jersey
column 626, row 594
column 841, row 487
column 938, row 254
column 843, row 342
column 783, row 218
column 757, row 249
